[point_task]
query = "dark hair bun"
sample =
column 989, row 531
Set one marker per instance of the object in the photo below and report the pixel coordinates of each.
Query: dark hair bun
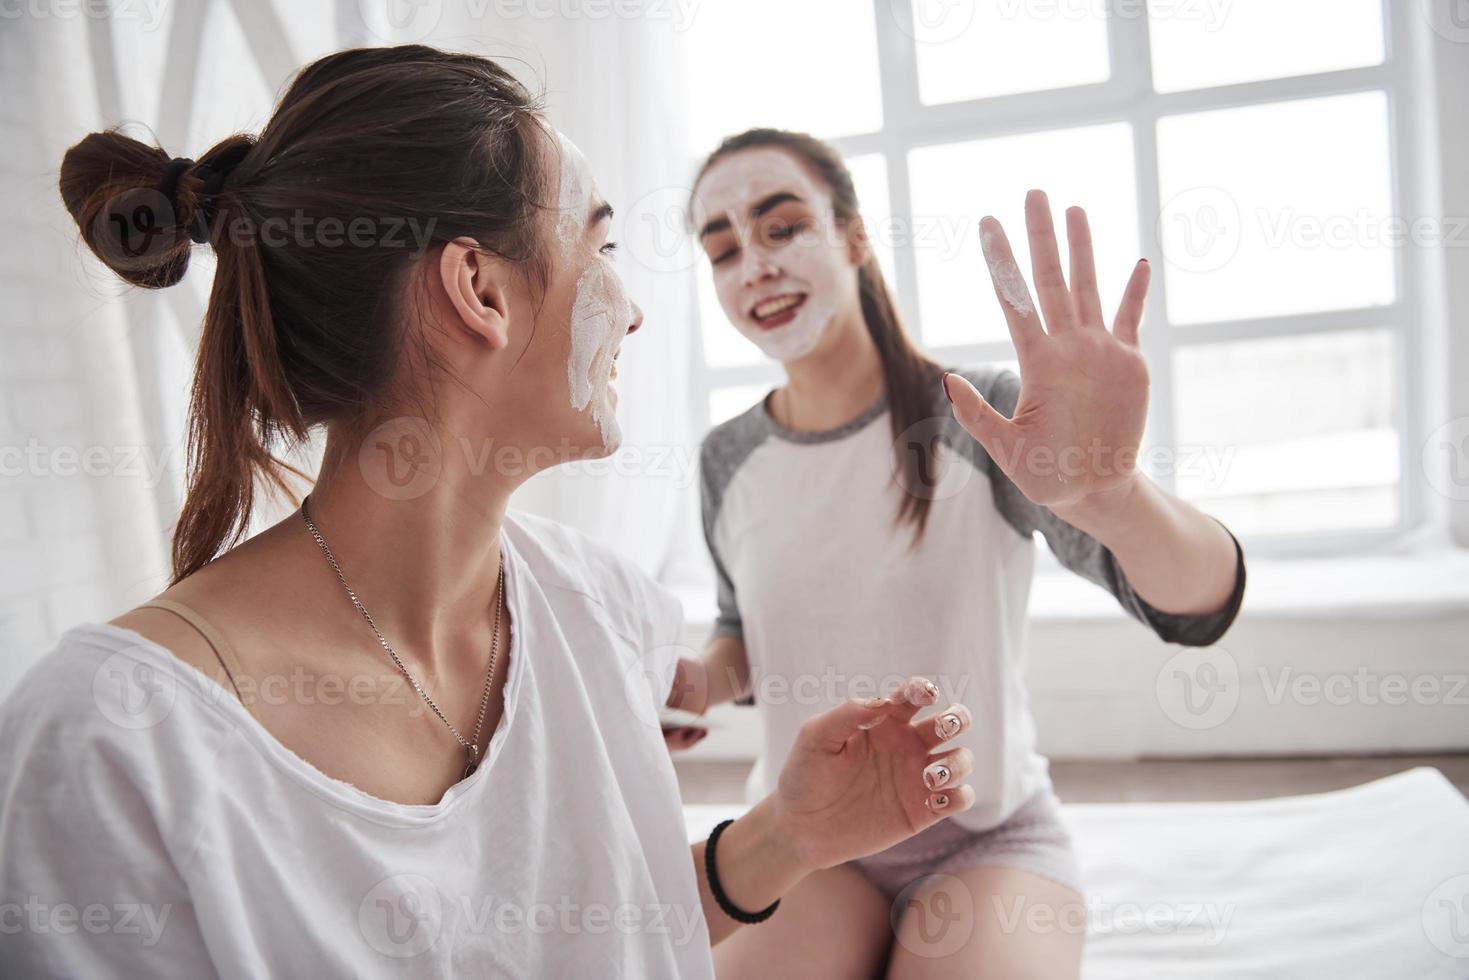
column 109, row 183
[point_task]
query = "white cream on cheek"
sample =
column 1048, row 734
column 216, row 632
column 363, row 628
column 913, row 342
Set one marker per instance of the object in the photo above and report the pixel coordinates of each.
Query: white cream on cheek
column 798, row 338
column 600, row 311
column 576, row 185
column 733, row 187
column 600, row 315
column 1006, row 275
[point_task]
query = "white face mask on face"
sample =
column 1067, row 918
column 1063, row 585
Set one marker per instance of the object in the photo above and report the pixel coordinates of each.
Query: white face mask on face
column 600, row 312
column 781, row 294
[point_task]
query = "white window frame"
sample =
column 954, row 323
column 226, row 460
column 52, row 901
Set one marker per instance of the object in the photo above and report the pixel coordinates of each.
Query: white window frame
column 1128, row 96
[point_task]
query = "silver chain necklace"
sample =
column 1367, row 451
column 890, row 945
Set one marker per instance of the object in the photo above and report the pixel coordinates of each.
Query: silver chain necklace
column 471, row 749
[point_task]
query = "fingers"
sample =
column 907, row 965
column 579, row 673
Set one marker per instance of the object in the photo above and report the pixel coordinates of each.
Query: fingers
column 910, row 697
column 944, row 726
column 1010, row 287
column 949, row 770
column 1130, row 312
column 1045, row 264
column 943, row 777
column 683, row 737
column 833, row 728
column 948, row 802
column 998, row 435
column 1084, row 296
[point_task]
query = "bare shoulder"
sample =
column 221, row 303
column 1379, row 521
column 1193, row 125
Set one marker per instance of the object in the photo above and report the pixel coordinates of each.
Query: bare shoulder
column 173, row 634
column 226, row 594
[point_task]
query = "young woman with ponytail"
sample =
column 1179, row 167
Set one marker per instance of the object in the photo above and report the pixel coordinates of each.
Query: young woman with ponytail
column 404, row 731
column 874, row 515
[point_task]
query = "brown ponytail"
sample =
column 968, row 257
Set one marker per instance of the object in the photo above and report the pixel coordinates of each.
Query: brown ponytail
column 306, row 328
column 911, row 379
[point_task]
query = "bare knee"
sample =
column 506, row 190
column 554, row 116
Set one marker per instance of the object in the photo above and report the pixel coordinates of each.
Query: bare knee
column 835, row 923
column 989, row 922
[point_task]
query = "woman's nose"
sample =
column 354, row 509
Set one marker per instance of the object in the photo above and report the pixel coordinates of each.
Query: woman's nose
column 637, row 319
column 757, row 266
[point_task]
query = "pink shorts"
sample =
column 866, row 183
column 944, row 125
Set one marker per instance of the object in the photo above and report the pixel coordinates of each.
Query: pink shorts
column 1033, row 839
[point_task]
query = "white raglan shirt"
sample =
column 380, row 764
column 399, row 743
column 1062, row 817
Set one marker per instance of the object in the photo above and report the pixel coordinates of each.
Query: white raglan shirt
column 151, row 827
column 833, row 601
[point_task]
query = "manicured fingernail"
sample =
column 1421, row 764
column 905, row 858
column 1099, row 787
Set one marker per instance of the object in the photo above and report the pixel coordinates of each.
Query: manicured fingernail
column 936, row 775
column 946, row 387
column 937, row 802
column 931, row 689
column 1143, row 262
column 946, row 725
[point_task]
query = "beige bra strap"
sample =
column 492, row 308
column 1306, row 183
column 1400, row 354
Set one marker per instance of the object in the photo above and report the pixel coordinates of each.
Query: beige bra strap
column 222, row 650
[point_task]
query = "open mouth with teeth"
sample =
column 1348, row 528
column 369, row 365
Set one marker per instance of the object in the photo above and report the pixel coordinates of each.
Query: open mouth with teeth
column 777, row 311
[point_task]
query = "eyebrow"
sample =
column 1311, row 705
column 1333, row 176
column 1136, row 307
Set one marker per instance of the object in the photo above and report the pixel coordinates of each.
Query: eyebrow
column 762, row 208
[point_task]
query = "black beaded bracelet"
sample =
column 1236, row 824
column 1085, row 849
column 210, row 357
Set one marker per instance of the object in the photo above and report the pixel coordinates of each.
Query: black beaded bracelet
column 730, row 909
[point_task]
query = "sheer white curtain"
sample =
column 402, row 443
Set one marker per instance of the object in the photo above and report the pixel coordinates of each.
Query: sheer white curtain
column 93, row 376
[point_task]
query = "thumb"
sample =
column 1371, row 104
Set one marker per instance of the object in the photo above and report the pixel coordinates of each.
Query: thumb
column 830, row 730
column 979, row 418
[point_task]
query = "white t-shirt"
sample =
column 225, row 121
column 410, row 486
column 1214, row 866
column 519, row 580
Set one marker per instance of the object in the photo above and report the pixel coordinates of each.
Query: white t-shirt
column 833, row 601
column 151, row 827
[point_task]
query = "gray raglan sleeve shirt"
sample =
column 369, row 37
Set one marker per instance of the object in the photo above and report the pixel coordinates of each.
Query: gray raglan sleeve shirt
column 730, row 444
column 1078, row 551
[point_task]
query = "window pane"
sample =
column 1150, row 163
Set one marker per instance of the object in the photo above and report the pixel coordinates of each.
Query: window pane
column 810, row 66
column 1197, row 45
column 870, row 177
column 957, row 184
column 726, row 403
column 978, row 50
column 1291, row 434
column 1277, row 209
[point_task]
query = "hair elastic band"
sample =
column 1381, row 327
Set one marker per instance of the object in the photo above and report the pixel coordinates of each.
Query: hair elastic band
column 729, row 908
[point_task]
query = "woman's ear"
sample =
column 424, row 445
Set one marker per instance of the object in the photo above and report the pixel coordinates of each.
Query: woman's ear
column 475, row 285
column 858, row 245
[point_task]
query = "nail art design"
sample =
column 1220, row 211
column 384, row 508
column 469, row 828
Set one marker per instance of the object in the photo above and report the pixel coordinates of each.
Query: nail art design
column 946, row 725
column 940, row 801
column 936, row 775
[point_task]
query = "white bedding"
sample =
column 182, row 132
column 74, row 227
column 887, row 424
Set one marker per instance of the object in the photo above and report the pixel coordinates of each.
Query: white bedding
column 1368, row 882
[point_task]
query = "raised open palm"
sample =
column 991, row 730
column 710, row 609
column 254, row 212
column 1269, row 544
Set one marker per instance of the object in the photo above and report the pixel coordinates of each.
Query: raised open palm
column 1083, row 400
column 864, row 776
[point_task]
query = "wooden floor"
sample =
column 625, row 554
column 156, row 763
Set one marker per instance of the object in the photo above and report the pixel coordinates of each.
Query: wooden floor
column 1150, row 779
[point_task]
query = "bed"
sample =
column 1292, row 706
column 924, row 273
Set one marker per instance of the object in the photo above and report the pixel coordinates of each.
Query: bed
column 1367, row 882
